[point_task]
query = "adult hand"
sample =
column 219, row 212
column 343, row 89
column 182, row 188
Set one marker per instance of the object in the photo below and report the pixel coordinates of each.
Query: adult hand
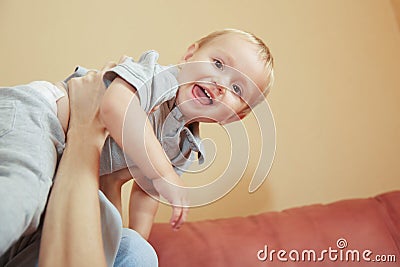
column 85, row 97
column 66, row 241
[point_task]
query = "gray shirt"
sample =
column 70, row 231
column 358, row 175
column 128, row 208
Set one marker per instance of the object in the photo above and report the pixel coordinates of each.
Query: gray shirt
column 156, row 86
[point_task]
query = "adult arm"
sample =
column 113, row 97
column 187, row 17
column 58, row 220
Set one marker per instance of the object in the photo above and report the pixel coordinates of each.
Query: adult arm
column 72, row 228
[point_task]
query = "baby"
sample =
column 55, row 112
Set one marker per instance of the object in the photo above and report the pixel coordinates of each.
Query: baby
column 150, row 110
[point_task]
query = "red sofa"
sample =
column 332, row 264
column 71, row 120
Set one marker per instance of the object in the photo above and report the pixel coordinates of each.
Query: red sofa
column 355, row 232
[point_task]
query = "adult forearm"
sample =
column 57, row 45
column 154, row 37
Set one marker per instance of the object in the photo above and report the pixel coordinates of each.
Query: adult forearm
column 71, row 233
column 72, row 230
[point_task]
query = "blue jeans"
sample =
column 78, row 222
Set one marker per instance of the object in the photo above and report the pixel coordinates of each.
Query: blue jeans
column 135, row 251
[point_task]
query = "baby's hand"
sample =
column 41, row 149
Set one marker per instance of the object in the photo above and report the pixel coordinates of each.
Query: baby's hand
column 172, row 189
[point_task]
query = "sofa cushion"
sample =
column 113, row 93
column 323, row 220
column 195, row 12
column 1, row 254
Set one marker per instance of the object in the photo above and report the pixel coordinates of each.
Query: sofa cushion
column 349, row 227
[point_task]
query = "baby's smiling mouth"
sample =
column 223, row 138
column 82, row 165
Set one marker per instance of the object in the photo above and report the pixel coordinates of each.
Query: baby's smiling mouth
column 202, row 94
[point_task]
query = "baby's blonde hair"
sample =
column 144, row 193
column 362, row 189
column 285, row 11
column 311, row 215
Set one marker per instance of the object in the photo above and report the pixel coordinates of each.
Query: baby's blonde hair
column 263, row 52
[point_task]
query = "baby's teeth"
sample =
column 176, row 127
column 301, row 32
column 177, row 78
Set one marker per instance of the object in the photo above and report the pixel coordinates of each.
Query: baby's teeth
column 207, row 93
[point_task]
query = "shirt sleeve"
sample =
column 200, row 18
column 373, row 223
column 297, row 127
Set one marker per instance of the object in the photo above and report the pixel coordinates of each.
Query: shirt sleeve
column 154, row 83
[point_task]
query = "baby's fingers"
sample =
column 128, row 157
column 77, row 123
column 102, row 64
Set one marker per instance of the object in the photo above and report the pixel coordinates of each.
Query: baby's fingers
column 179, row 216
column 176, row 216
column 182, row 219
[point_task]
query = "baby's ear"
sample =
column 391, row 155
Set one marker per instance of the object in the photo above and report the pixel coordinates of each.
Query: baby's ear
column 243, row 113
column 190, row 52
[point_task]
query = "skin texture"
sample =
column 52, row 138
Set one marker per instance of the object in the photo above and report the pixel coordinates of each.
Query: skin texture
column 66, row 240
column 232, row 74
column 233, row 78
column 121, row 105
column 75, row 191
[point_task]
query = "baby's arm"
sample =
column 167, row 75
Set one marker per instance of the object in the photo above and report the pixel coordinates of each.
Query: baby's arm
column 142, row 145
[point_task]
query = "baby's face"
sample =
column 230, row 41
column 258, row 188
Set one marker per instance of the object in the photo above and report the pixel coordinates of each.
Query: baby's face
column 220, row 79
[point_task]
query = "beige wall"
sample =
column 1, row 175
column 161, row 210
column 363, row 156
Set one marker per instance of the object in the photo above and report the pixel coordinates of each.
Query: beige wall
column 396, row 9
column 336, row 99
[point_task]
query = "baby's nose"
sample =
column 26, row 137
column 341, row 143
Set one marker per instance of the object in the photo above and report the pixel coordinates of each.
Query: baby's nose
column 218, row 89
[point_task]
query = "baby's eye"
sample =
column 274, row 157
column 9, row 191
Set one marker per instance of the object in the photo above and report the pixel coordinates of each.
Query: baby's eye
column 237, row 89
column 218, row 64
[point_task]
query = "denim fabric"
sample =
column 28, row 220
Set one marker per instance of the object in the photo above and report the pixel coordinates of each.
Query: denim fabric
column 134, row 251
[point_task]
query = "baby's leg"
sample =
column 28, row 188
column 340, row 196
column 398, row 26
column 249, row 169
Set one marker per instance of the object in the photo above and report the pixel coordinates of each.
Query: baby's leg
column 111, row 184
column 142, row 207
column 28, row 158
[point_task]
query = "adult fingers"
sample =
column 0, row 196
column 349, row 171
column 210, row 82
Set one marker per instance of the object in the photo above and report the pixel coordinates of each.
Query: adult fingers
column 108, row 65
column 122, row 59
